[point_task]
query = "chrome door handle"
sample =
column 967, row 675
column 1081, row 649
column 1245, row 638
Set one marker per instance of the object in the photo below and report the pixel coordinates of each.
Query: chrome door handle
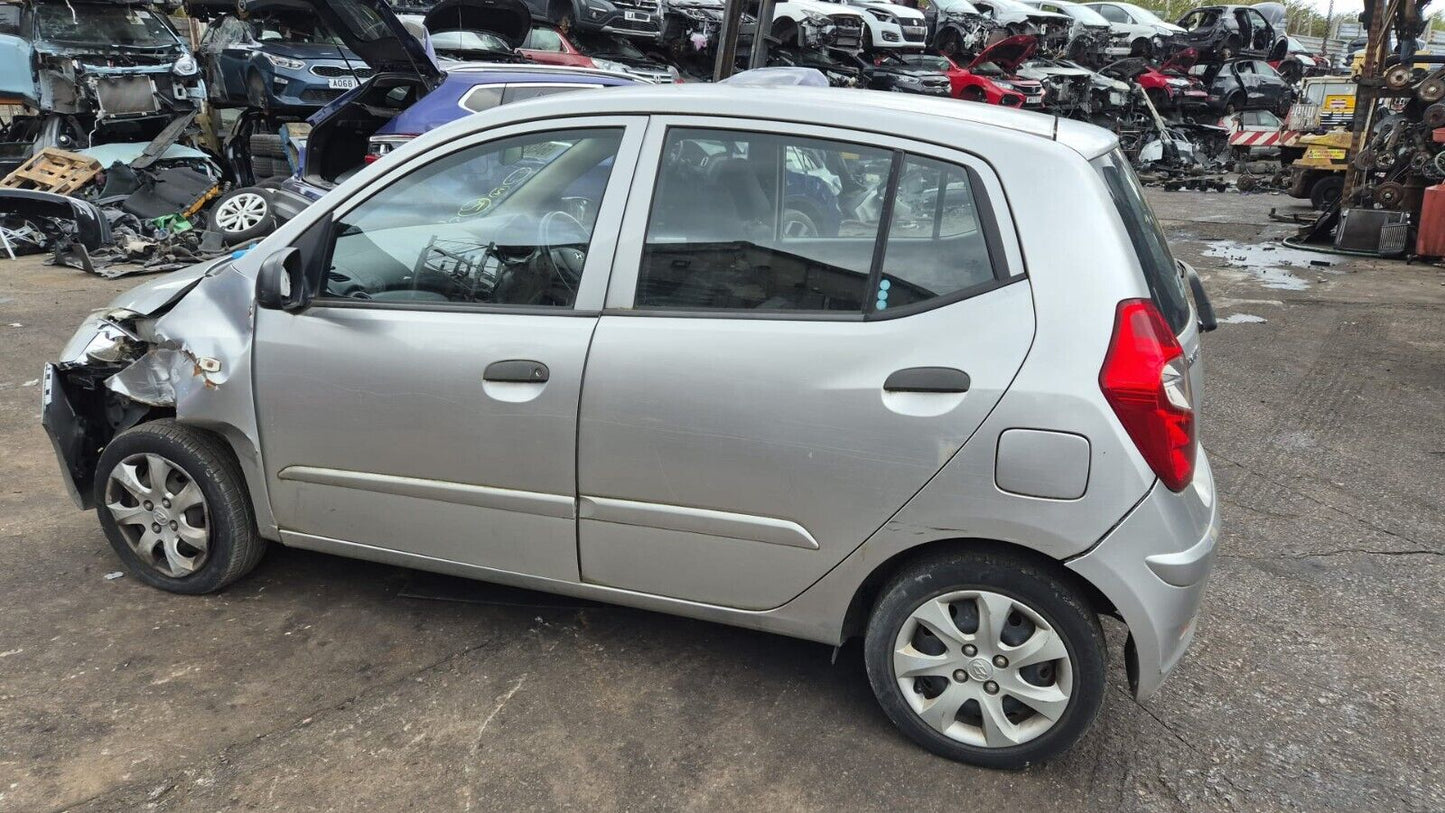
column 518, row 371
column 927, row 379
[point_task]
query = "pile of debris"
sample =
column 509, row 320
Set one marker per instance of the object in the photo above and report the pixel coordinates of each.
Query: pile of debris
column 95, row 209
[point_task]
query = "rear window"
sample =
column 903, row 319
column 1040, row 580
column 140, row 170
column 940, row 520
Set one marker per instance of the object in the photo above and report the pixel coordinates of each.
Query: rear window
column 1161, row 273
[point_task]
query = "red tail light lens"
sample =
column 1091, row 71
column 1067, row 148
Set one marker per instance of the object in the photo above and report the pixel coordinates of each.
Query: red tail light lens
column 1146, row 380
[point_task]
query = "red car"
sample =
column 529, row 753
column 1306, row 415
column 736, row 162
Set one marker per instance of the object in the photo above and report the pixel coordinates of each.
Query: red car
column 548, row 45
column 990, row 77
column 1169, row 86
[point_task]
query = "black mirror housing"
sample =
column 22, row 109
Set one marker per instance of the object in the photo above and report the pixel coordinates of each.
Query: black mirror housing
column 281, row 282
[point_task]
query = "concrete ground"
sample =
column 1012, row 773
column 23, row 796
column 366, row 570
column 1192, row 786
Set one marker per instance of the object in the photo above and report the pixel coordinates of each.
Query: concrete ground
column 317, row 683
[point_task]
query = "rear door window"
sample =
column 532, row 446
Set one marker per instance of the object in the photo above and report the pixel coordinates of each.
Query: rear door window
column 1161, row 273
column 766, row 222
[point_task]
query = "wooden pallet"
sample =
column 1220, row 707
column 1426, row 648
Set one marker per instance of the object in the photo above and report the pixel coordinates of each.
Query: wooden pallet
column 53, row 170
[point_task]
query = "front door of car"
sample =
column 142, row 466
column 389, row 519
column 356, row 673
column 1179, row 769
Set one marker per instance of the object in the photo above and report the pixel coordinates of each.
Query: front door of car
column 426, row 400
column 802, row 326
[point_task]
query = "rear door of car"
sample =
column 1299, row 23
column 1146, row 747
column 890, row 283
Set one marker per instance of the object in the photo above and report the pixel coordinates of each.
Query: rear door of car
column 787, row 356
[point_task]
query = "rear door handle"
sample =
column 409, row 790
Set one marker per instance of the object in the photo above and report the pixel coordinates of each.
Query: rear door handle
column 519, row 371
column 927, row 379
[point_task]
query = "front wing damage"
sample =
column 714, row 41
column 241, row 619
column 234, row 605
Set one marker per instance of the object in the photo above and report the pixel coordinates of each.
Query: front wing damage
column 173, row 356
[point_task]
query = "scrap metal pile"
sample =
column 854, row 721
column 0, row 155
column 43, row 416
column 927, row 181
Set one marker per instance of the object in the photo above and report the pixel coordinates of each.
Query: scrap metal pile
column 188, row 128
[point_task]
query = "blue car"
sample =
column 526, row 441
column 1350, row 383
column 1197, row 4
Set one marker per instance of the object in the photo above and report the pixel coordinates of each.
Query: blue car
column 280, row 59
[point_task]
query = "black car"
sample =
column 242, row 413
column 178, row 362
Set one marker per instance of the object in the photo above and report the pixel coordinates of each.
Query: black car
column 1245, row 84
column 475, row 30
column 634, row 18
column 1223, row 33
column 888, row 71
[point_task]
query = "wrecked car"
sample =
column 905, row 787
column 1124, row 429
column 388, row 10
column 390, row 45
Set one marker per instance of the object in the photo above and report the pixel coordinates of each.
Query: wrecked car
column 1244, row 84
column 90, row 70
column 613, row 53
column 884, row 70
column 813, row 25
column 974, row 86
column 397, row 376
column 890, row 26
column 691, row 32
column 278, row 58
column 1089, row 37
column 957, row 27
column 1068, row 88
column 1169, row 86
column 1224, row 33
column 478, row 30
column 1016, row 18
column 1137, row 31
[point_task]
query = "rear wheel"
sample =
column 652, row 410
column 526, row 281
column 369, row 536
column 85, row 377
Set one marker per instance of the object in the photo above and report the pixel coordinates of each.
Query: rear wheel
column 1141, row 47
column 174, row 506
column 986, row 658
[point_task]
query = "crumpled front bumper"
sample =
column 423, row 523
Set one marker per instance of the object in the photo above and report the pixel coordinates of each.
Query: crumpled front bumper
column 1153, row 567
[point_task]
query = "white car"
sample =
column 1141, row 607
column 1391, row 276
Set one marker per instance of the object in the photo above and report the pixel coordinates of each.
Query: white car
column 1016, row 18
column 1137, row 31
column 890, row 25
column 816, row 24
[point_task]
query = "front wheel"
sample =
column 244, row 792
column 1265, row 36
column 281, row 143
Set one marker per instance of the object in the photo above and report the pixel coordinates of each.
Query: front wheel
column 986, row 658
column 174, row 506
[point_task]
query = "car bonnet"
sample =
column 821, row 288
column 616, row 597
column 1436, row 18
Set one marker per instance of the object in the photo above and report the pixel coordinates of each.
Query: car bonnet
column 371, row 30
column 1008, row 53
column 509, row 19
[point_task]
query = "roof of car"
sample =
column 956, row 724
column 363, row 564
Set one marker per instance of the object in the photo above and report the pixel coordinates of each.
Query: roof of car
column 527, row 74
column 837, row 107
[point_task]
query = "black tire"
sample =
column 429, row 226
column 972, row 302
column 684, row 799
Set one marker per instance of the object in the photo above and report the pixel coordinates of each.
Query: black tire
column 236, row 233
column 950, row 44
column 1052, row 597
column 262, row 167
column 1325, row 192
column 234, row 545
column 1229, row 49
column 269, row 145
column 1141, row 47
column 1234, row 105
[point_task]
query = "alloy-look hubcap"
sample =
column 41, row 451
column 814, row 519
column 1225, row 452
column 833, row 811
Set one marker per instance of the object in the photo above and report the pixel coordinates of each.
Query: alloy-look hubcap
column 160, row 512
column 982, row 668
column 241, row 212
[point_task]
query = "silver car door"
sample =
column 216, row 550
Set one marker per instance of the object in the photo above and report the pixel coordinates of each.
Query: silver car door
column 769, row 383
column 426, row 401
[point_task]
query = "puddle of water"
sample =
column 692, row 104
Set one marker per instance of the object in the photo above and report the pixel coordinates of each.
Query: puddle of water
column 1242, row 319
column 1271, row 264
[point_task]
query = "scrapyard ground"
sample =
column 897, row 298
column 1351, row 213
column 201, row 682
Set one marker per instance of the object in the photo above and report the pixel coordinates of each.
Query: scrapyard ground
column 317, row 683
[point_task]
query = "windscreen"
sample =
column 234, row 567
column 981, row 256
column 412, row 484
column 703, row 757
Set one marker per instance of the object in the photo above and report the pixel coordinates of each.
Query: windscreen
column 102, row 24
column 1161, row 273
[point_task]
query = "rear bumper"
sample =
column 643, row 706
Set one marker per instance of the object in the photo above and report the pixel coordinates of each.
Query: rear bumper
column 1153, row 567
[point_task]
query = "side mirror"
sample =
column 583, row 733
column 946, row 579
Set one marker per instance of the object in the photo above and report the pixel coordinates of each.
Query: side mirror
column 281, row 283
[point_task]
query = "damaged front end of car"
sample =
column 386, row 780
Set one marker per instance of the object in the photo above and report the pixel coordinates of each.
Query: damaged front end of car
column 79, row 70
column 691, row 31
column 178, row 346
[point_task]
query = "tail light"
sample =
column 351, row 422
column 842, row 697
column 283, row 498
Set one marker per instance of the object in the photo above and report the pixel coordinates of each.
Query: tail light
column 1146, row 380
column 378, row 146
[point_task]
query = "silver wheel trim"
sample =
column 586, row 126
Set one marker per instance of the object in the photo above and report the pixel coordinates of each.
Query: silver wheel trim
column 241, row 212
column 160, row 511
column 995, row 730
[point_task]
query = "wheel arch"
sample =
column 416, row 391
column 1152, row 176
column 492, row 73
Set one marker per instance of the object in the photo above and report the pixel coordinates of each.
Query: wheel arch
column 855, row 619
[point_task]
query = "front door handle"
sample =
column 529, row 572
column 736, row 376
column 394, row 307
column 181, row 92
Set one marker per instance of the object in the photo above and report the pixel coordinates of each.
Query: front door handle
column 927, row 379
column 518, row 371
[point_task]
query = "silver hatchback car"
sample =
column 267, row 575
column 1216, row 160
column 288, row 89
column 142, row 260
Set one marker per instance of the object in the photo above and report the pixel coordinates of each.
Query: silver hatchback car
column 826, row 363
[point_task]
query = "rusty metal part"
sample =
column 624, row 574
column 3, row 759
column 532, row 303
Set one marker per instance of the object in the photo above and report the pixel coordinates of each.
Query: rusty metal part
column 1389, row 195
column 1431, row 90
column 1434, row 116
column 1399, row 77
column 1364, row 160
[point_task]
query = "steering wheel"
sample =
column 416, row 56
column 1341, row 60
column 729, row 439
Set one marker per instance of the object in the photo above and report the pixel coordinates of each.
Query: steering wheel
column 560, row 233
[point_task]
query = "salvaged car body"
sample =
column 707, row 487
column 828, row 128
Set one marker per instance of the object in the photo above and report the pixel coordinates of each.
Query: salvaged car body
column 1244, row 84
column 890, row 26
column 1137, row 31
column 279, row 57
column 1170, row 87
column 1089, row 37
column 891, row 71
column 814, row 25
column 1014, row 17
column 1224, row 33
column 611, row 52
column 478, row 30
column 691, row 30
column 90, row 70
column 976, row 86
column 517, row 292
column 957, row 28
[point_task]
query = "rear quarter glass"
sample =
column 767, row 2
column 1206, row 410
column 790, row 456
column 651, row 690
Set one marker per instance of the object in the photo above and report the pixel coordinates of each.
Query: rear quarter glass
column 1161, row 273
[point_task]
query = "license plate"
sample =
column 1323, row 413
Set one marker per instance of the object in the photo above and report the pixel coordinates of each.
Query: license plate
column 637, row 16
column 342, row 82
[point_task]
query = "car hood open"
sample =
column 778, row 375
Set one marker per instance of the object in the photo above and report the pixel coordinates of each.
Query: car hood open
column 1180, row 62
column 1008, row 53
column 509, row 19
